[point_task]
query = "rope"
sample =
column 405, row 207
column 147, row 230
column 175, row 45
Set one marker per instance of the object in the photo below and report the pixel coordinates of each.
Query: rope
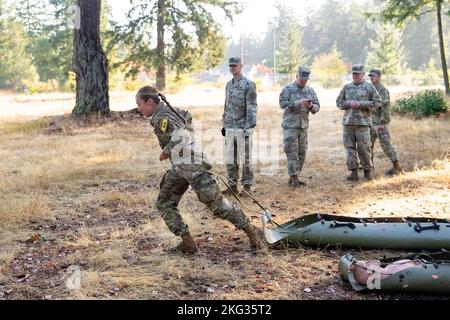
column 224, row 181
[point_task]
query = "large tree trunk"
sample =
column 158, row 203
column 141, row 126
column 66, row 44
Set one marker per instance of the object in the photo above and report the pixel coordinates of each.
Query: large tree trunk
column 442, row 46
column 161, row 61
column 90, row 63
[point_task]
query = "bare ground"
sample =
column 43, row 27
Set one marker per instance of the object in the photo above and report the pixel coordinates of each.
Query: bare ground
column 77, row 194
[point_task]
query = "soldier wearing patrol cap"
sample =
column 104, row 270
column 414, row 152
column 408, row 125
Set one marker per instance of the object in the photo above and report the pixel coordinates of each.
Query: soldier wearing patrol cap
column 358, row 99
column 381, row 118
column 297, row 100
column 239, row 120
column 190, row 167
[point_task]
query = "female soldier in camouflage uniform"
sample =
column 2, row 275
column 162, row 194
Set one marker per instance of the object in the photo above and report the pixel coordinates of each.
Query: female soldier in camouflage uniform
column 190, row 167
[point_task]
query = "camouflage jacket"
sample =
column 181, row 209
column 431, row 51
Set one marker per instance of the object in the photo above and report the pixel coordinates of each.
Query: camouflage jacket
column 296, row 117
column 368, row 97
column 176, row 138
column 382, row 115
column 240, row 104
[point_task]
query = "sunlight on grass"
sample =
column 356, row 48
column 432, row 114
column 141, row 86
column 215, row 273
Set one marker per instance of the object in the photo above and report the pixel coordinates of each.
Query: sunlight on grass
column 27, row 127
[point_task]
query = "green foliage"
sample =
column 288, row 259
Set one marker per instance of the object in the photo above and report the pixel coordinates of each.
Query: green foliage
column 387, row 52
column 175, row 82
column 329, row 69
column 50, row 38
column 291, row 54
column 399, row 11
column 336, row 22
column 194, row 40
column 420, row 46
column 432, row 74
column 33, row 14
column 15, row 61
column 424, row 103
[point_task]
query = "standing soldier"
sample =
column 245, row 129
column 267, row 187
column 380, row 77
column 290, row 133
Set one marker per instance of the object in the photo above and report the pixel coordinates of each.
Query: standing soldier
column 381, row 118
column 239, row 119
column 190, row 167
column 297, row 100
column 358, row 99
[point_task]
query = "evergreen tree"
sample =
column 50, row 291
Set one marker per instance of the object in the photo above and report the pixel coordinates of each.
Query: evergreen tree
column 291, row 54
column 15, row 62
column 420, row 47
column 186, row 34
column 33, row 14
column 399, row 11
column 387, row 52
column 341, row 23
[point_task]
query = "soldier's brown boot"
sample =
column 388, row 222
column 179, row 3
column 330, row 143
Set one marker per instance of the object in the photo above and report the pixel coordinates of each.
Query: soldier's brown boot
column 247, row 191
column 233, row 188
column 296, row 183
column 353, row 176
column 396, row 169
column 187, row 244
column 368, row 174
column 257, row 239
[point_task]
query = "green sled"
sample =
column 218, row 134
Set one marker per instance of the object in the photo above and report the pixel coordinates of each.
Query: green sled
column 367, row 233
column 423, row 272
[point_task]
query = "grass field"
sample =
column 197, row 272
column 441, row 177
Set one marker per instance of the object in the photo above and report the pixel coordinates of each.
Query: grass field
column 83, row 194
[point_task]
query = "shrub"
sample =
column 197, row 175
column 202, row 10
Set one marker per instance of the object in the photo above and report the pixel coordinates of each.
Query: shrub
column 329, row 69
column 175, row 83
column 424, row 103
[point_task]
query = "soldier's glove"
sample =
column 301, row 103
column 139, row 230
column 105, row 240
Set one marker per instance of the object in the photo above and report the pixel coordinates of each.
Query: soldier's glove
column 224, row 132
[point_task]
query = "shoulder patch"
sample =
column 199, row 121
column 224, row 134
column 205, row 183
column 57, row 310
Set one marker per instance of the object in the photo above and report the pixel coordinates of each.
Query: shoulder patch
column 164, row 125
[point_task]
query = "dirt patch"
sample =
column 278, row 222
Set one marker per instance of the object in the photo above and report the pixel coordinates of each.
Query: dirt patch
column 37, row 273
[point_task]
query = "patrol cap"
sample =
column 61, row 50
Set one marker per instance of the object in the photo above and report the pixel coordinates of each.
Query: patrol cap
column 358, row 68
column 303, row 73
column 234, row 61
column 375, row 72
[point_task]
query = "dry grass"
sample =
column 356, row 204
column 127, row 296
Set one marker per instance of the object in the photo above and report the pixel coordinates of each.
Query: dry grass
column 91, row 191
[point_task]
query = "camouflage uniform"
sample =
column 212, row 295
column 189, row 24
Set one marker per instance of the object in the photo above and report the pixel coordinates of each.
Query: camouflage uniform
column 357, row 123
column 239, row 119
column 381, row 118
column 194, row 172
column 295, row 124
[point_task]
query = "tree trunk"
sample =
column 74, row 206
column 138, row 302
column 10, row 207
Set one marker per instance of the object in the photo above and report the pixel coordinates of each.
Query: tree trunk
column 161, row 61
column 442, row 46
column 90, row 63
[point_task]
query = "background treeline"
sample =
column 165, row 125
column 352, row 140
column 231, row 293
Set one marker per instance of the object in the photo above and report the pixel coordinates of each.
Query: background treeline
column 329, row 39
column 36, row 44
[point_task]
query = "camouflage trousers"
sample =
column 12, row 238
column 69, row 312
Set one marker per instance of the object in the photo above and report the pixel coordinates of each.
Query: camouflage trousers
column 238, row 150
column 177, row 181
column 382, row 133
column 295, row 143
column 357, row 144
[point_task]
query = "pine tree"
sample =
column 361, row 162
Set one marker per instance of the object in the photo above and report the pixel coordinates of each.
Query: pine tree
column 15, row 62
column 90, row 63
column 291, row 54
column 399, row 11
column 186, row 33
column 386, row 52
column 33, row 14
